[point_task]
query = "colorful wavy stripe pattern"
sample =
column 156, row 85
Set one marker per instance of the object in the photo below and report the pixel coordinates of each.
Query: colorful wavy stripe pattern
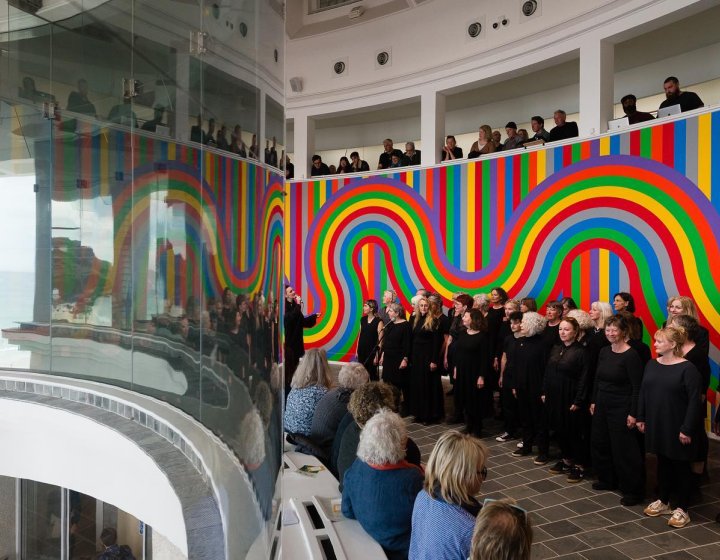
column 636, row 211
column 232, row 213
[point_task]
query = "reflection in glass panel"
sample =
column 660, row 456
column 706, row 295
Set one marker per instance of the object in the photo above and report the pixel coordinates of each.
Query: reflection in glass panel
column 41, row 519
column 8, row 488
column 25, row 154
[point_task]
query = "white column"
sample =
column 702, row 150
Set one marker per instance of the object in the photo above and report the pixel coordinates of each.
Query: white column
column 432, row 126
column 262, row 112
column 597, row 81
column 304, row 144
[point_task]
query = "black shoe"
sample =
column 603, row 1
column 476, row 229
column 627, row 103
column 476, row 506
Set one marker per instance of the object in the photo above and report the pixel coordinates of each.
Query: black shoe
column 541, row 459
column 575, row 475
column 454, row 420
column 520, row 453
column 559, row 468
column 603, row 486
column 629, row 500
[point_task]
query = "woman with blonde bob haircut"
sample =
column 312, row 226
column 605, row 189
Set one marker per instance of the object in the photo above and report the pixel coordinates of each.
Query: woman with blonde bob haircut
column 444, row 514
column 503, row 532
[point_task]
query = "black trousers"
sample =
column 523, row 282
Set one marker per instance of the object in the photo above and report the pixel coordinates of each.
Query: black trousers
column 510, row 410
column 616, row 452
column 534, row 422
column 675, row 482
column 574, row 445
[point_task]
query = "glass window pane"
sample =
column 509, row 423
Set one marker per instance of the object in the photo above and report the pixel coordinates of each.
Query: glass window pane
column 41, row 520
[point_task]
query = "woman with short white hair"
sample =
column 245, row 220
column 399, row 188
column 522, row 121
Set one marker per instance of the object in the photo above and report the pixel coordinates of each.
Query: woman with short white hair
column 380, row 486
column 530, row 370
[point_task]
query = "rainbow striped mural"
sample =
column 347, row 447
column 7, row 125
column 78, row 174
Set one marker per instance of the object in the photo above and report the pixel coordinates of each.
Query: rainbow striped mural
column 231, row 213
column 636, row 211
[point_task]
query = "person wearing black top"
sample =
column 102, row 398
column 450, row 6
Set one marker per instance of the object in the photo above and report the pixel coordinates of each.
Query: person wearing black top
column 470, row 370
column 461, row 303
column 357, row 164
column 617, row 456
column 668, row 414
column 565, row 395
column 367, row 347
column 294, row 323
column 451, row 150
column 687, row 100
column 386, row 157
column 507, row 381
column 289, row 168
column 318, row 168
column 563, row 129
column 495, row 317
column 411, row 155
column 629, row 105
column 427, row 401
column 395, row 349
column 529, row 370
column 553, row 314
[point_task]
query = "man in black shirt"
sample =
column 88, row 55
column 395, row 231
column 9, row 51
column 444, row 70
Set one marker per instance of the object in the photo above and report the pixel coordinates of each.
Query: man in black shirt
column 629, row 104
column 289, row 168
column 412, row 156
column 687, row 100
column 357, row 164
column 318, row 167
column 563, row 129
column 78, row 101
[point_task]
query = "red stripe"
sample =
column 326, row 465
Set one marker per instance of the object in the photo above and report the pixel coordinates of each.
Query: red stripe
column 668, row 145
column 517, row 170
column 635, row 143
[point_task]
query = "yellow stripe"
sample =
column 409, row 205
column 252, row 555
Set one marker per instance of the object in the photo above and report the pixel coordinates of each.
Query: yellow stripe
column 605, row 150
column 705, row 141
column 604, row 272
column 172, row 151
column 242, row 210
column 471, row 218
column 410, row 178
column 322, row 190
column 541, row 165
column 365, row 260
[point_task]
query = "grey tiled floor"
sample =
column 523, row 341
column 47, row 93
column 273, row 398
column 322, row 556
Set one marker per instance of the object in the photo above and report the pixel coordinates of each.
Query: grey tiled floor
column 573, row 521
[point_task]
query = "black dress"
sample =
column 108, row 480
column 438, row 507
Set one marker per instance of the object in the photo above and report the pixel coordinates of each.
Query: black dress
column 494, row 324
column 396, row 345
column 529, row 371
column 565, row 384
column 367, row 342
column 470, row 359
column 427, row 402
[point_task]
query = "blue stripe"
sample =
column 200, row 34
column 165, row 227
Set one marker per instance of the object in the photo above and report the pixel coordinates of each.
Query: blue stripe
column 714, row 140
column 680, row 139
column 615, row 145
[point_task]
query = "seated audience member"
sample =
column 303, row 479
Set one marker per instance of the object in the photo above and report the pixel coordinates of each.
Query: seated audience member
column 237, row 146
column 332, row 169
column 380, row 486
column 687, row 100
column 253, row 151
column 157, row 119
column 451, row 150
column 111, row 549
column 445, row 510
column 629, row 105
column 289, row 168
column 318, row 168
column 411, row 155
column 385, row 158
column 271, row 152
column 503, row 532
column 523, row 133
column 513, row 140
column 484, row 144
column 537, row 123
column 309, row 385
column 210, row 135
column 364, row 403
column 123, row 114
column 332, row 408
column 563, row 129
column 344, row 165
column 497, row 140
column 396, row 160
column 221, row 139
column 78, row 101
column 357, row 164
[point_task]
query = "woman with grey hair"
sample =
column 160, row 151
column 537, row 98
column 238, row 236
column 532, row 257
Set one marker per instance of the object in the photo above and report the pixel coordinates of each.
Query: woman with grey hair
column 530, row 370
column 309, row 384
column 380, row 486
column 331, row 409
column 481, row 302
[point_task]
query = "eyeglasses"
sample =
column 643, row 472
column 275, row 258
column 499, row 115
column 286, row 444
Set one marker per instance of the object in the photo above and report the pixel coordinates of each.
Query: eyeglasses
column 483, row 472
column 517, row 510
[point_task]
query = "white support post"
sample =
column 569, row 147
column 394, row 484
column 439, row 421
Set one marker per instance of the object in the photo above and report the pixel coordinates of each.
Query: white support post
column 597, row 81
column 432, row 126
